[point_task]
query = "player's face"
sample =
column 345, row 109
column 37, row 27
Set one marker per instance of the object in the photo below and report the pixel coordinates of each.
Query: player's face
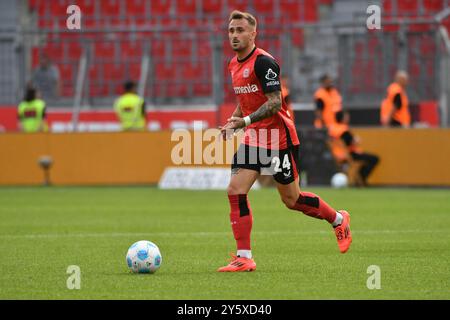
column 241, row 34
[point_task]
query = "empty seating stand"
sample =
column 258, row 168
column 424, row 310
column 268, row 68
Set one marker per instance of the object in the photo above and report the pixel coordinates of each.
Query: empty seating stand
column 175, row 54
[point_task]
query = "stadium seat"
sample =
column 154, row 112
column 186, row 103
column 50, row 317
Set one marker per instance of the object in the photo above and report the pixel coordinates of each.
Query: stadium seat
column 112, row 71
column 164, row 71
column 54, row 50
column 290, row 10
column 407, row 7
column 237, row 5
column 181, row 48
column 110, row 7
column 191, row 72
column 104, row 49
column 202, row 89
column 212, row 7
column 186, row 7
column 34, row 57
column 98, row 90
column 433, row 6
column 264, row 7
column 387, row 7
column 310, row 9
column 134, row 71
column 66, row 72
column 131, row 49
column 135, row 7
column 160, row 7
column 87, row 7
column 58, row 8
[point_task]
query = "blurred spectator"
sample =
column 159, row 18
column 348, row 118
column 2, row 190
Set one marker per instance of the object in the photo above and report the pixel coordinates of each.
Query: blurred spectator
column 395, row 107
column 46, row 79
column 340, row 132
column 31, row 112
column 130, row 109
column 286, row 94
column 328, row 101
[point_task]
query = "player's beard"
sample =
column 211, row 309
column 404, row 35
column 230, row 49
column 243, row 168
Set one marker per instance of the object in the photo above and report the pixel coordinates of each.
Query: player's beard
column 240, row 47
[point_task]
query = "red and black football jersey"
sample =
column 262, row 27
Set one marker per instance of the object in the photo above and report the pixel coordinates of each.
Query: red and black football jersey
column 253, row 77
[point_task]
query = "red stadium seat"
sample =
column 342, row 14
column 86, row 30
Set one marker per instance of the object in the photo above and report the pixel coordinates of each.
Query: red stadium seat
column 265, row 7
column 66, row 72
column 135, row 7
column 158, row 48
column 160, row 7
column 34, row 57
column 54, row 50
column 134, row 71
column 164, row 72
column 387, row 7
column 73, row 50
column 433, row 6
column 110, row 7
column 94, row 73
column 202, row 89
column 241, row 5
column 58, row 8
column 186, row 7
column 131, row 49
column 191, row 71
column 212, row 6
column 87, row 7
column 290, row 9
column 180, row 90
column 311, row 11
column 181, row 48
column 113, row 72
column 407, row 7
column 98, row 90
column 104, row 49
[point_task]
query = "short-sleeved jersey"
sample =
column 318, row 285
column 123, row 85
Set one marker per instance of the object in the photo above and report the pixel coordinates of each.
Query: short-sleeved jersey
column 253, row 77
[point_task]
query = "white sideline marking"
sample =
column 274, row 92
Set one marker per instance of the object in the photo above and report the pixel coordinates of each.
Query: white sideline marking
column 200, row 234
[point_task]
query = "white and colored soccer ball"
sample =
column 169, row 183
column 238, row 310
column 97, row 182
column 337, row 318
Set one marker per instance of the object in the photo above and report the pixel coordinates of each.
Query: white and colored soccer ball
column 144, row 257
column 339, row 180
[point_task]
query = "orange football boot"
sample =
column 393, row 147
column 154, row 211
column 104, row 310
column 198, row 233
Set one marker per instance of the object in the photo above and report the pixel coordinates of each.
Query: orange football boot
column 239, row 264
column 343, row 233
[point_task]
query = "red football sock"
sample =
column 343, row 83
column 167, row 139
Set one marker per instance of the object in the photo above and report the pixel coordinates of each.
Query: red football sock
column 241, row 219
column 311, row 205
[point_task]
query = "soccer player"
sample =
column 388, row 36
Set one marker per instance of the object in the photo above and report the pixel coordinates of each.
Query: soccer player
column 269, row 130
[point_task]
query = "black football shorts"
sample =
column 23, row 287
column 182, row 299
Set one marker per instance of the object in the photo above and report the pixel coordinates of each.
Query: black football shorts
column 281, row 164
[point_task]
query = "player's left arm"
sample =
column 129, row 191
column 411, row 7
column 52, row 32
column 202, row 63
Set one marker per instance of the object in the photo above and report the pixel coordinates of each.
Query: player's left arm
column 268, row 73
column 269, row 108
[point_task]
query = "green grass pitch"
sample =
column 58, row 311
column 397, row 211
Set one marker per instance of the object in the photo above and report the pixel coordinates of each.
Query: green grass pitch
column 406, row 232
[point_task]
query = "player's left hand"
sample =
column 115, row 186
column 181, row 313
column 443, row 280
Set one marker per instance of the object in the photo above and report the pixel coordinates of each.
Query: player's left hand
column 236, row 123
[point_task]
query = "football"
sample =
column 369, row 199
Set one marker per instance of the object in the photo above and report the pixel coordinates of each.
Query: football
column 144, row 257
column 339, row 180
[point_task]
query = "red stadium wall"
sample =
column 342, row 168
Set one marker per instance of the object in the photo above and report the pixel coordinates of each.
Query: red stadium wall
column 95, row 120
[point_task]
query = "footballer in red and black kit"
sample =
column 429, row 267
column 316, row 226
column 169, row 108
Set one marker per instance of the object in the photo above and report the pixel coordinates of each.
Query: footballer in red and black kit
column 269, row 145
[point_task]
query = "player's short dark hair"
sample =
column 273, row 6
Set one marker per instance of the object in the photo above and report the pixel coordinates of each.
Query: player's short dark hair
column 237, row 15
column 339, row 116
column 129, row 86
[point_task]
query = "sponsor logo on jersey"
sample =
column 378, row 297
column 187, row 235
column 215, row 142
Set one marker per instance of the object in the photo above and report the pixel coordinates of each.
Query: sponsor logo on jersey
column 270, row 75
column 273, row 83
column 249, row 88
